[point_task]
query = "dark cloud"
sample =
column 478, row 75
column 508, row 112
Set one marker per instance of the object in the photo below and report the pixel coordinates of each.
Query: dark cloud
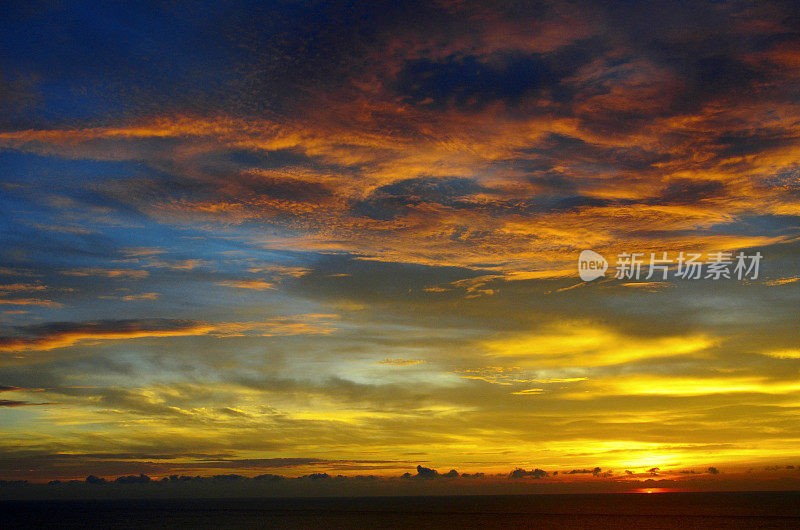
column 534, row 473
column 689, row 191
column 54, row 334
column 182, row 462
column 133, row 479
column 711, row 76
column 12, row 403
column 393, row 200
column 425, row 472
column 269, row 477
column 596, row 471
column 316, row 476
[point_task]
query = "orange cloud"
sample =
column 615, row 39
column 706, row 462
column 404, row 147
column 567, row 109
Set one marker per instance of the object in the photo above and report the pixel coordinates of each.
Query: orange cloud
column 255, row 285
column 108, row 273
column 61, row 335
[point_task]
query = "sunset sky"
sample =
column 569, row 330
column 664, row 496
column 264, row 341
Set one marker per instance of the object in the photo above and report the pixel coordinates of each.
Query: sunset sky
column 342, row 237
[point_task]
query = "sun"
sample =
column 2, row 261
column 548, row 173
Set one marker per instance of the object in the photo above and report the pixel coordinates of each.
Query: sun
column 651, row 490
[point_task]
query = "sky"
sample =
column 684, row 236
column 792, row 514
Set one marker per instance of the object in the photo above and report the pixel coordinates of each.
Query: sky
column 299, row 238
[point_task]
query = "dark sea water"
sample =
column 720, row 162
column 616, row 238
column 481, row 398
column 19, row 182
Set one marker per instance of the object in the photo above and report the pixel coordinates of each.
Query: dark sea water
column 656, row 511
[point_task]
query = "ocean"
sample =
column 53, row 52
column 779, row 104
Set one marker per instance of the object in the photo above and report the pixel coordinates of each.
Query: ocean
column 597, row 511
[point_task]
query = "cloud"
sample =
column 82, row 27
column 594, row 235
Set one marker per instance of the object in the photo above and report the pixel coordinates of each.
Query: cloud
column 400, row 362
column 108, row 273
column 586, row 344
column 534, row 473
column 255, row 285
column 22, row 287
column 15, row 403
column 30, row 301
column 426, row 473
column 42, row 337
column 140, row 296
column 12, row 403
column 782, row 281
column 468, row 177
column 596, row 471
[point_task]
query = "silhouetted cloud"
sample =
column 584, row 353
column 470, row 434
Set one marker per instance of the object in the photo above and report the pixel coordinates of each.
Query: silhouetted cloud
column 596, row 471
column 534, row 473
column 425, row 472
